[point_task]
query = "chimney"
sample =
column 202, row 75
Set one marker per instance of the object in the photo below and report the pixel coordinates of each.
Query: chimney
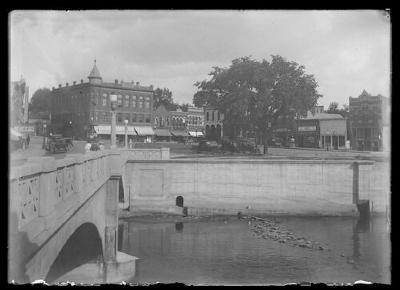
column 151, row 87
column 74, row 83
column 59, row 85
column 52, row 88
column 81, row 81
column 116, row 82
column 137, row 83
column 66, row 84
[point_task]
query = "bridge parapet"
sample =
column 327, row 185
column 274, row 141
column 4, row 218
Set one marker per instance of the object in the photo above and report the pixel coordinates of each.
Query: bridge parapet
column 45, row 187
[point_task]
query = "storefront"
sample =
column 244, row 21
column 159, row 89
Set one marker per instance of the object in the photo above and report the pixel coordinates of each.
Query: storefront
column 134, row 133
column 162, row 134
column 180, row 135
column 307, row 136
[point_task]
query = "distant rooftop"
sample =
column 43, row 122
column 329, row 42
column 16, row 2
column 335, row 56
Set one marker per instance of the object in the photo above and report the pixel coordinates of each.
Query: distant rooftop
column 323, row 116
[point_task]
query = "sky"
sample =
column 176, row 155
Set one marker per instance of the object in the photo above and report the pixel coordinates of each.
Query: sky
column 346, row 51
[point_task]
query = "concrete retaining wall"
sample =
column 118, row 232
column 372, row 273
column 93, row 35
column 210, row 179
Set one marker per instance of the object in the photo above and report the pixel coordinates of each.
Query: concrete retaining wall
column 264, row 187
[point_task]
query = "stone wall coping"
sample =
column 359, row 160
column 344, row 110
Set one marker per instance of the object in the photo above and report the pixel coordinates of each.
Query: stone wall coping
column 28, row 169
column 272, row 161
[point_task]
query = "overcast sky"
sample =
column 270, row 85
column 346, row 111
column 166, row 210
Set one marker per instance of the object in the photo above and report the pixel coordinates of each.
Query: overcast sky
column 346, row 51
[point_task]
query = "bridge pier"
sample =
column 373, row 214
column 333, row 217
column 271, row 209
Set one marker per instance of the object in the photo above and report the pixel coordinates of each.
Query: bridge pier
column 111, row 220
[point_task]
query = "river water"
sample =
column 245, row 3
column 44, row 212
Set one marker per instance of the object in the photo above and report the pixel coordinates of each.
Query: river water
column 225, row 251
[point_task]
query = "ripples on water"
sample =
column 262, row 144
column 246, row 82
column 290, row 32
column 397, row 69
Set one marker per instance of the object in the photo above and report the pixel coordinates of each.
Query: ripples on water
column 227, row 252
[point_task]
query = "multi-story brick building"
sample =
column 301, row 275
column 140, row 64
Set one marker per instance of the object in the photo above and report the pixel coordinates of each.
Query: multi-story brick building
column 179, row 124
column 195, row 121
column 162, row 123
column 213, row 121
column 82, row 107
column 369, row 122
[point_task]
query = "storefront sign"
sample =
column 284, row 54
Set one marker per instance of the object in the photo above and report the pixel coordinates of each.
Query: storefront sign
column 307, row 128
column 25, row 129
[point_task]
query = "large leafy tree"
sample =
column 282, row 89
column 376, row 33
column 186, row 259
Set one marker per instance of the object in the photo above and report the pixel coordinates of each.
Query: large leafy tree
column 253, row 94
column 40, row 102
column 164, row 97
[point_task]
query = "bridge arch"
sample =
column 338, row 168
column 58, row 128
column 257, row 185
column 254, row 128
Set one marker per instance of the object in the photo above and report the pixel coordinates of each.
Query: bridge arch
column 84, row 245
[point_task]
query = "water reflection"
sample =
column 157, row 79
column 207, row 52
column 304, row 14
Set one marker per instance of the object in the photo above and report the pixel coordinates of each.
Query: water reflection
column 225, row 252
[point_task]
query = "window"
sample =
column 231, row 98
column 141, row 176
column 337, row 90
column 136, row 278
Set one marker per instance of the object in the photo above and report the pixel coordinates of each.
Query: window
column 119, row 117
column 360, row 133
column 140, row 104
column 208, row 116
column 212, row 116
column 147, row 118
column 126, row 101
column 140, row 118
column 218, row 116
column 134, row 102
column 119, row 101
column 104, row 100
column 341, row 141
column 134, row 119
column 147, row 105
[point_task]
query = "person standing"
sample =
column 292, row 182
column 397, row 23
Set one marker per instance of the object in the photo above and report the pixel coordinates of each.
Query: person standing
column 88, row 146
column 28, row 139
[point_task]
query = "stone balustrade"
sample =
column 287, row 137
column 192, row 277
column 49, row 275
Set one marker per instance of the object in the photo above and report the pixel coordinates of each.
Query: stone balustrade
column 43, row 185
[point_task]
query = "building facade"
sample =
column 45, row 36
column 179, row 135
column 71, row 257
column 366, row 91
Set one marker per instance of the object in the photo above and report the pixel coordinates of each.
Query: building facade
column 321, row 130
column 162, row 123
column 213, row 123
column 195, row 121
column 82, row 107
column 19, row 103
column 369, row 122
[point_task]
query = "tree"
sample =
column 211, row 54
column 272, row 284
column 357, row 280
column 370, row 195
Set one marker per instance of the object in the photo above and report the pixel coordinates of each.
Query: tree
column 164, row 96
column 184, row 107
column 333, row 107
column 252, row 94
column 40, row 101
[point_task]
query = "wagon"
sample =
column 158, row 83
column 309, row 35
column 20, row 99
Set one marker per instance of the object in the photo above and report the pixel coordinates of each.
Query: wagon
column 57, row 143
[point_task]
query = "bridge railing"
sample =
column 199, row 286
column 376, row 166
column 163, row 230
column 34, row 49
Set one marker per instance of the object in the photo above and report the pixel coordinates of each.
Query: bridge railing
column 43, row 188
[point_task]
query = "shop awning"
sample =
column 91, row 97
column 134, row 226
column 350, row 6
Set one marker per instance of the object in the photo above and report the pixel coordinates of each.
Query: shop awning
column 162, row 132
column 144, row 130
column 196, row 134
column 178, row 133
column 120, row 130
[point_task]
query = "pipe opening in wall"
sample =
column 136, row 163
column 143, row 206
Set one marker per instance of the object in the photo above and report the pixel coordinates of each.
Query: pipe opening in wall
column 179, row 201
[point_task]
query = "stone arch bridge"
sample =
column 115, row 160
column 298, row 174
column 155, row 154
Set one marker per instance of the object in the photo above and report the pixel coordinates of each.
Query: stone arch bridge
column 66, row 207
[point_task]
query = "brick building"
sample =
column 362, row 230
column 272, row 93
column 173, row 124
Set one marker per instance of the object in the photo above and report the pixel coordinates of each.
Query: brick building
column 162, row 123
column 213, row 122
column 83, row 107
column 369, row 122
column 179, row 124
column 195, row 121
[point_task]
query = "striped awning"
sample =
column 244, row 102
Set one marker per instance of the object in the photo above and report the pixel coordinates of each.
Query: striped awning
column 120, row 130
column 162, row 132
column 178, row 133
column 196, row 134
column 144, row 130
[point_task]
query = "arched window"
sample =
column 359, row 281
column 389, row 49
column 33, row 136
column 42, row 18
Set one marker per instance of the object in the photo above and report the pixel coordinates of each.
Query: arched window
column 208, row 116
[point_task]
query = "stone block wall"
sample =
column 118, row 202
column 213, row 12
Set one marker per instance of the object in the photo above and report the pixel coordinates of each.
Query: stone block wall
column 269, row 187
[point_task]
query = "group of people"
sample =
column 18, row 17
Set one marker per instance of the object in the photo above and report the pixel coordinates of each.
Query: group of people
column 92, row 146
column 24, row 142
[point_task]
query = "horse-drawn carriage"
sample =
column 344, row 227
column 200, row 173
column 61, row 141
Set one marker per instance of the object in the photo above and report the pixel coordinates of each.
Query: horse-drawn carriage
column 57, row 142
